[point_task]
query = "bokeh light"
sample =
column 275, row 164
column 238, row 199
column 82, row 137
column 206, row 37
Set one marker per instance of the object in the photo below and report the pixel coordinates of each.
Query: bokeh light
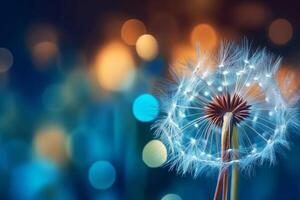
column 254, row 91
column 185, row 53
column 154, row 154
column 181, row 53
column 42, row 41
column 44, row 52
column 145, row 108
column 171, row 197
column 50, row 143
column 131, row 30
column 6, row 60
column 102, row 175
column 115, row 67
column 205, row 36
column 147, row 47
column 280, row 31
column 288, row 81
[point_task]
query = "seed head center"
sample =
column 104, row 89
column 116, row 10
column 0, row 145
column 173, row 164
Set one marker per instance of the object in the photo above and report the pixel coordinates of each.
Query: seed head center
column 216, row 109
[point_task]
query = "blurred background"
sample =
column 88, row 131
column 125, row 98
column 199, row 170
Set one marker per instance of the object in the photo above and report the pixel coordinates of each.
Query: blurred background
column 76, row 94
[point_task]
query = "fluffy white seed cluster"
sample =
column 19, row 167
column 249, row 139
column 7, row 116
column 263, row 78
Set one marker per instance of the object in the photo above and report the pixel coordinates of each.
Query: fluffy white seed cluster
column 193, row 140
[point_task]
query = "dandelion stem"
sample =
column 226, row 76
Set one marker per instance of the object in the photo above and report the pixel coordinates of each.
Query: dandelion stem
column 225, row 145
column 235, row 167
column 225, row 185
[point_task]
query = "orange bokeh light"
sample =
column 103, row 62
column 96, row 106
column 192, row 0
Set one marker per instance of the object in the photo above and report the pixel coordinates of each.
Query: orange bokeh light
column 254, row 91
column 147, row 47
column 280, row 31
column 184, row 53
column 181, row 54
column 115, row 67
column 50, row 143
column 288, row 81
column 131, row 30
column 205, row 36
column 44, row 52
column 43, row 42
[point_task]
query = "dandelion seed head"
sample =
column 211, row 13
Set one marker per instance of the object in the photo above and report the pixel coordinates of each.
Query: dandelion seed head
column 243, row 83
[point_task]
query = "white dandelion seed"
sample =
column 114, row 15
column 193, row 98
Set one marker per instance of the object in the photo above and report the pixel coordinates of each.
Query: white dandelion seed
column 241, row 92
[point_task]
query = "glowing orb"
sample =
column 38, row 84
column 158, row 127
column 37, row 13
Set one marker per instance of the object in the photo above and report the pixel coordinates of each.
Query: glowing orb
column 102, row 175
column 6, row 60
column 145, row 108
column 115, row 67
column 131, row 30
column 171, row 197
column 182, row 52
column 280, row 31
column 44, row 52
column 50, row 143
column 154, row 154
column 204, row 35
column 288, row 81
column 43, row 43
column 147, row 47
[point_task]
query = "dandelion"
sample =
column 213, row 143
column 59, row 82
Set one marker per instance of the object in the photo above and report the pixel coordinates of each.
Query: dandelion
column 226, row 112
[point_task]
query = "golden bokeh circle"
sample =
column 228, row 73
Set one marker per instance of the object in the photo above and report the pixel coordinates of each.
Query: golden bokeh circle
column 115, row 67
column 205, row 36
column 50, row 143
column 147, row 47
